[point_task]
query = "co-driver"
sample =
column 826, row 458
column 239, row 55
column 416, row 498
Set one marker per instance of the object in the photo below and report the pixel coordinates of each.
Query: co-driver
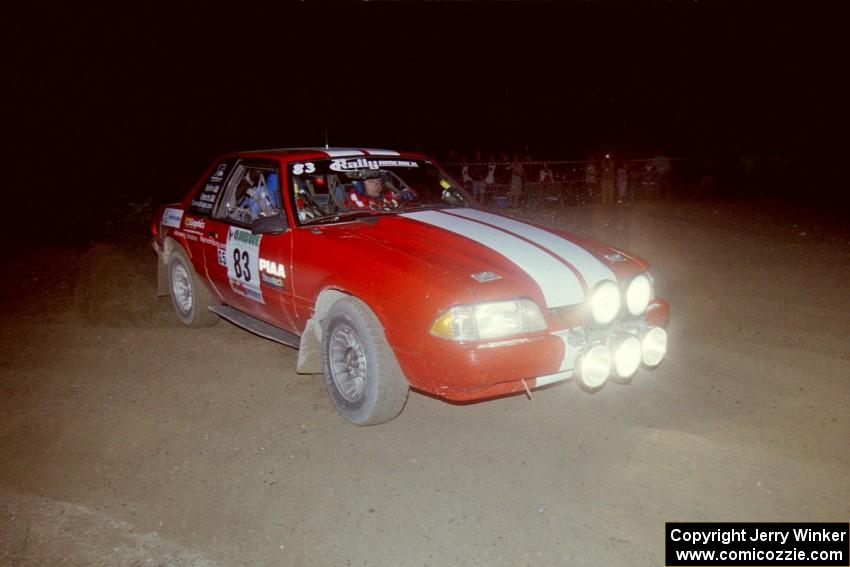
column 373, row 196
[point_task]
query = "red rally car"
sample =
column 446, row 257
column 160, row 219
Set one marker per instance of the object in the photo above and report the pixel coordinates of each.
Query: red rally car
column 386, row 275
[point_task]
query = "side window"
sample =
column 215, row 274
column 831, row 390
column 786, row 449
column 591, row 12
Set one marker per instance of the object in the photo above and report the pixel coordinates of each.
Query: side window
column 253, row 192
column 204, row 201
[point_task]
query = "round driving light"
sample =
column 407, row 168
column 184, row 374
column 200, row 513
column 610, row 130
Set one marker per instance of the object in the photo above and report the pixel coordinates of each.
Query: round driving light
column 605, row 302
column 595, row 366
column 654, row 345
column 627, row 357
column 638, row 294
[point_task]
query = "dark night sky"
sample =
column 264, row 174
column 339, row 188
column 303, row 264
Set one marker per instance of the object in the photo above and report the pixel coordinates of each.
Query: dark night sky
column 150, row 93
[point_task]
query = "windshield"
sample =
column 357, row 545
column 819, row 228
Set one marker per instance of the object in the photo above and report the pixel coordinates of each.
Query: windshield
column 331, row 190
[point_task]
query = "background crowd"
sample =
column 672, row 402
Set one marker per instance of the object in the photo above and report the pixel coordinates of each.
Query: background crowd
column 511, row 181
column 505, row 180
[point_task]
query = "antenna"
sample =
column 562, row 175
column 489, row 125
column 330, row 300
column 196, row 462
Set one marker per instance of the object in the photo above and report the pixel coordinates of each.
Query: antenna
column 325, row 124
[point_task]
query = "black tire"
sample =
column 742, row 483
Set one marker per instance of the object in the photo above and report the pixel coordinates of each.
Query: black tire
column 189, row 295
column 361, row 372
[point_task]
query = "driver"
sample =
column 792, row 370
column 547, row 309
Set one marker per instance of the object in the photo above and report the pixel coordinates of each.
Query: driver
column 372, row 195
column 255, row 196
column 259, row 199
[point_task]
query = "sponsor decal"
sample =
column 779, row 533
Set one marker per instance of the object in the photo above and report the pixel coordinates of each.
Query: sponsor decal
column 201, row 205
column 191, row 236
column 244, row 237
column 222, row 256
column 206, row 198
column 218, row 175
column 272, row 281
column 242, row 260
column 252, row 292
column 194, row 224
column 272, row 268
column 172, row 217
column 363, row 163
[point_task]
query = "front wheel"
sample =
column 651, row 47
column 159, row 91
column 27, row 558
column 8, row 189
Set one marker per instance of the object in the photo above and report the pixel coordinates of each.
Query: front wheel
column 361, row 372
column 189, row 296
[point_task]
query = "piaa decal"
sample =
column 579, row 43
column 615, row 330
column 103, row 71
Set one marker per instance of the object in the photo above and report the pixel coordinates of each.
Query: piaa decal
column 272, row 268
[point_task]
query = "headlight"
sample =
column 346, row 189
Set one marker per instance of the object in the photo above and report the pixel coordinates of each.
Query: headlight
column 654, row 345
column 638, row 294
column 594, row 366
column 627, row 356
column 605, row 302
column 492, row 320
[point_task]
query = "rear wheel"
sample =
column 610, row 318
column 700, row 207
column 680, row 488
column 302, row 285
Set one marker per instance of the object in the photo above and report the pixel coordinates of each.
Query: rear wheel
column 189, row 295
column 361, row 372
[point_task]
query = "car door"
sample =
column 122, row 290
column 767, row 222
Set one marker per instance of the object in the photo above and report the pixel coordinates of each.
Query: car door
column 249, row 271
column 197, row 222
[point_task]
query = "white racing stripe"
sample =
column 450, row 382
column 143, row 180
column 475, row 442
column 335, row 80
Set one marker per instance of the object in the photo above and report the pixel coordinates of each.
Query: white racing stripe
column 589, row 266
column 338, row 152
column 345, row 152
column 557, row 282
column 568, row 363
column 552, row 378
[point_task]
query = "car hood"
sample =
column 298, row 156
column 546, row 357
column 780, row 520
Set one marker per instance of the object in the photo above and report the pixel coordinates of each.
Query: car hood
column 497, row 256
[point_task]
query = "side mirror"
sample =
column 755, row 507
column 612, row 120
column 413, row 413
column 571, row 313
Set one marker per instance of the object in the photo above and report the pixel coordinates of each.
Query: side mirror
column 269, row 225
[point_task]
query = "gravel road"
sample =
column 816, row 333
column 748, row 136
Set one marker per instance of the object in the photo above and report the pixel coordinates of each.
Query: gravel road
column 127, row 439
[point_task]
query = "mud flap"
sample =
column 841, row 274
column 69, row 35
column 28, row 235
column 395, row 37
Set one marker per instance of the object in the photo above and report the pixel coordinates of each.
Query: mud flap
column 310, row 349
column 161, row 277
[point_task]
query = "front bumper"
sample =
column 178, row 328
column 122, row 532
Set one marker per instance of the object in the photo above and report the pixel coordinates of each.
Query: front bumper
column 469, row 372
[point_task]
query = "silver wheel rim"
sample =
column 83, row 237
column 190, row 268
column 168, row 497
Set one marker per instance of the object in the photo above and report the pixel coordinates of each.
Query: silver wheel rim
column 347, row 363
column 181, row 287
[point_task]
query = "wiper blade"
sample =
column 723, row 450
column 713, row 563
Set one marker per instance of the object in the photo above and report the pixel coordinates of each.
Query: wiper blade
column 347, row 215
column 431, row 206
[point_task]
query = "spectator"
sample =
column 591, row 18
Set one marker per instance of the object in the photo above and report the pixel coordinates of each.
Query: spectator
column 517, row 172
column 490, row 180
column 477, row 174
column 634, row 171
column 545, row 175
column 649, row 181
column 622, row 182
column 464, row 173
column 607, row 179
column 503, row 172
column 590, row 180
column 662, row 166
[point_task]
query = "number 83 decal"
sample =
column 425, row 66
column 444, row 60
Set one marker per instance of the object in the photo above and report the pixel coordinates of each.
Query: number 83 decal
column 242, row 254
column 302, row 168
column 242, row 264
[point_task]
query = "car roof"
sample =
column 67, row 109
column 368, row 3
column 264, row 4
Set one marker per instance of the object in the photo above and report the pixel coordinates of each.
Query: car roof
column 322, row 153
